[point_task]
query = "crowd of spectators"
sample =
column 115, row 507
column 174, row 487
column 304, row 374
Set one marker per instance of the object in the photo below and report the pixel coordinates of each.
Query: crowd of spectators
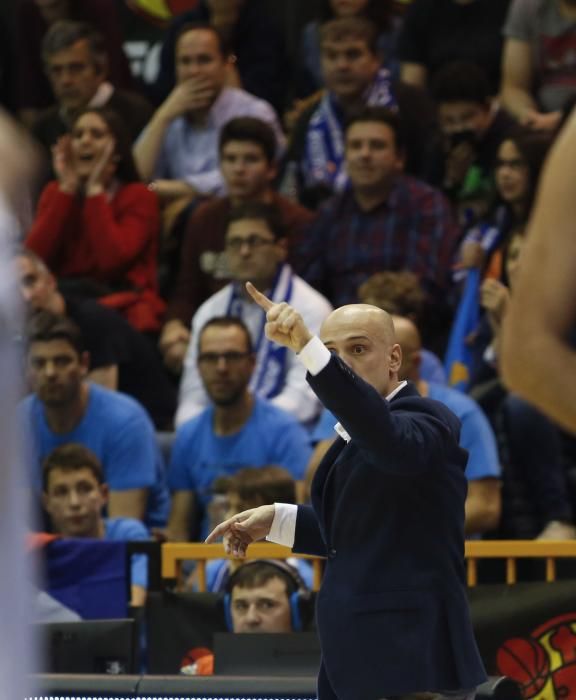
column 391, row 159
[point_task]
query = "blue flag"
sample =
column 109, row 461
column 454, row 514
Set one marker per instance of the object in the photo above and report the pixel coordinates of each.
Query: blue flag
column 458, row 359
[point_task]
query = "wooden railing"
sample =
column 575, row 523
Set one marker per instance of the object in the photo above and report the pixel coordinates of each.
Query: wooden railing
column 511, row 550
column 173, row 554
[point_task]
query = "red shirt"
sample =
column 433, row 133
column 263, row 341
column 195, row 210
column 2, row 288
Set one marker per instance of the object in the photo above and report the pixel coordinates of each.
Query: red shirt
column 109, row 240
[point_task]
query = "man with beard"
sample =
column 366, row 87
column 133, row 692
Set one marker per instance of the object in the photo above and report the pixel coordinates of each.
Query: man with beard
column 238, row 430
column 387, row 511
column 65, row 408
column 119, row 355
column 256, row 248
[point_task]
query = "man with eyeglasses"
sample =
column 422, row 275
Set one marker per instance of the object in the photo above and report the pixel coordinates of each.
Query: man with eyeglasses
column 256, row 248
column 247, row 154
column 238, row 430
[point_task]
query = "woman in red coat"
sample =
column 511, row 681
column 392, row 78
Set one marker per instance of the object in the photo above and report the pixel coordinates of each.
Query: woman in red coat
column 97, row 226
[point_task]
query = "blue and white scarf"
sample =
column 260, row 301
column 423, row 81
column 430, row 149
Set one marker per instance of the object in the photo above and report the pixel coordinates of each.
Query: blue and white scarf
column 323, row 161
column 268, row 377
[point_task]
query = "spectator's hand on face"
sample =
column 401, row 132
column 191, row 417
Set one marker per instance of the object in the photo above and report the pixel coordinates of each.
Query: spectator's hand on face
column 458, row 161
column 102, row 170
column 494, row 297
column 192, row 95
column 244, row 528
column 63, row 165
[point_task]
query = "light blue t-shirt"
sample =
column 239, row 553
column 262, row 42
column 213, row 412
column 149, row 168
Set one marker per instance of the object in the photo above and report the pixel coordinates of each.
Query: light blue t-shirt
column 269, row 437
column 431, row 368
column 119, row 432
column 130, row 530
column 476, row 434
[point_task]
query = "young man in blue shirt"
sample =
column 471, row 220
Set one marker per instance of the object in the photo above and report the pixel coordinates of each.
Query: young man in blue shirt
column 65, row 408
column 74, row 495
column 238, row 430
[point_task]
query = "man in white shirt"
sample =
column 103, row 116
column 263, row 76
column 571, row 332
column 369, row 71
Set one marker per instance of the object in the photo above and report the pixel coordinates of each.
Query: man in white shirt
column 256, row 249
column 179, row 147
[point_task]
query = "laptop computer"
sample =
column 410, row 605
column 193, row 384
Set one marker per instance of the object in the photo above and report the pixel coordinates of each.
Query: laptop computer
column 292, row 654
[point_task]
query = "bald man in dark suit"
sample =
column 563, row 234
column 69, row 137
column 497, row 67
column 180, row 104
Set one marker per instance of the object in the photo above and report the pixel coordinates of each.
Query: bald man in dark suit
column 388, row 513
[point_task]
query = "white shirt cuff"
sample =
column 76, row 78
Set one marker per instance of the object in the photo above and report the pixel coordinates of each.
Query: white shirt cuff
column 283, row 528
column 314, row 355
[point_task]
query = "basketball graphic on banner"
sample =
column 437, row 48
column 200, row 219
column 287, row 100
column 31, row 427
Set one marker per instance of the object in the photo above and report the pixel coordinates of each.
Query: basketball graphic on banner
column 543, row 664
column 526, row 662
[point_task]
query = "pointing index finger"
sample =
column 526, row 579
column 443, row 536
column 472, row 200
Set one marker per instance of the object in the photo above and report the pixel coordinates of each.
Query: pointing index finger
column 261, row 299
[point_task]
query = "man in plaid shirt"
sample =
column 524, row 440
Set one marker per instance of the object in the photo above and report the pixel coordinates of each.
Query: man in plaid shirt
column 385, row 220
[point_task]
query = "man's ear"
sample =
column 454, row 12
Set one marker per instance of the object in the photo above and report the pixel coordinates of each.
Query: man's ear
column 102, row 67
column 282, row 244
column 395, row 358
column 105, row 492
column 272, row 172
column 400, row 159
column 51, row 282
column 45, row 502
column 85, row 363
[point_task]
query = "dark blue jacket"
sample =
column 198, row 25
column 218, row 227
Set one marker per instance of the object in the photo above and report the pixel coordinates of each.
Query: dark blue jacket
column 388, row 512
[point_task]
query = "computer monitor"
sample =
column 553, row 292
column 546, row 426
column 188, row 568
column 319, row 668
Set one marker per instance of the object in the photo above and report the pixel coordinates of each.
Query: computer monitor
column 89, row 646
column 291, row 654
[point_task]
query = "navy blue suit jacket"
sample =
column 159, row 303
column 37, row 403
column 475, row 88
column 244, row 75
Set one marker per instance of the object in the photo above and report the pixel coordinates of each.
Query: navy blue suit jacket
column 388, row 512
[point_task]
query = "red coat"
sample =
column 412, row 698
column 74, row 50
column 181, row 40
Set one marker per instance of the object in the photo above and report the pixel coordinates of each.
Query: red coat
column 112, row 241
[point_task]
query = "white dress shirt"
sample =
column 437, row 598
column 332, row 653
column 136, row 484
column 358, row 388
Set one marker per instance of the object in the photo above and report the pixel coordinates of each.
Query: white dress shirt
column 190, row 150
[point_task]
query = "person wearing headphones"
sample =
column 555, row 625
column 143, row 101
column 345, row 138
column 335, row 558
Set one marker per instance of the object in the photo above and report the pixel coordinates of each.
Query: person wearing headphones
column 262, row 596
column 265, row 595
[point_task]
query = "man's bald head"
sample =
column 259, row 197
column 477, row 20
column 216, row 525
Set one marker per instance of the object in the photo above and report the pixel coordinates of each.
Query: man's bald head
column 408, row 336
column 363, row 337
column 360, row 316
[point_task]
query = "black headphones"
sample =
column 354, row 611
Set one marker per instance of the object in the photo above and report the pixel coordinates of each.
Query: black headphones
column 299, row 600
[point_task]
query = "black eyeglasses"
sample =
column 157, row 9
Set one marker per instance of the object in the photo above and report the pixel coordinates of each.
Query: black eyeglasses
column 253, row 241
column 231, row 358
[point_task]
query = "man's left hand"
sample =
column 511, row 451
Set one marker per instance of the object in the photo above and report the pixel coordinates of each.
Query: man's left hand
column 284, row 325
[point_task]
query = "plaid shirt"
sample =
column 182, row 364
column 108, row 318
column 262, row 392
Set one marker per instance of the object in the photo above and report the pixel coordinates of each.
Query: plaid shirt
column 412, row 230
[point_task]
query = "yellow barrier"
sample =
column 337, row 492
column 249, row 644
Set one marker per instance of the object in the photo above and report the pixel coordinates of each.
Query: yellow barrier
column 174, row 553
column 510, row 550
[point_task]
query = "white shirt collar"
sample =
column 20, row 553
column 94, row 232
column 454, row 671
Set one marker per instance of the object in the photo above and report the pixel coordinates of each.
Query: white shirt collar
column 102, row 95
column 339, row 428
